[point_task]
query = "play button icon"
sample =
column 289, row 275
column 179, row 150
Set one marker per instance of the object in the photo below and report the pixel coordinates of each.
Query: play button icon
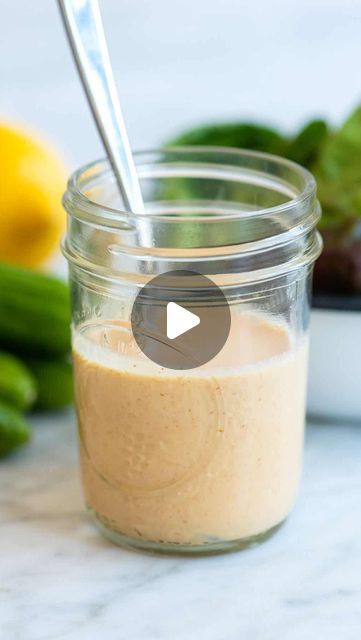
column 180, row 319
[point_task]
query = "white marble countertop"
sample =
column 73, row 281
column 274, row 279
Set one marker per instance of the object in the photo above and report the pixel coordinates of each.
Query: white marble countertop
column 60, row 580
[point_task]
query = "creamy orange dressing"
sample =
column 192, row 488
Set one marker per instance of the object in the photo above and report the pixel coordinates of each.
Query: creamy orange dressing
column 191, row 457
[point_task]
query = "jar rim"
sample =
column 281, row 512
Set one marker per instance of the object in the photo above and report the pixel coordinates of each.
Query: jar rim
column 236, row 231
column 75, row 195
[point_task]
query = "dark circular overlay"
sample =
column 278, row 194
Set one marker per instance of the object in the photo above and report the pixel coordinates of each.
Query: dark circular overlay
column 194, row 293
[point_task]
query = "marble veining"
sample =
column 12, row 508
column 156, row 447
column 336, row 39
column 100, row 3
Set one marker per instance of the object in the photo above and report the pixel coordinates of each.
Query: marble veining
column 59, row 580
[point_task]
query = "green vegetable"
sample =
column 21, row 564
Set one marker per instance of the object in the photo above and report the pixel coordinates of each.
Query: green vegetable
column 334, row 157
column 34, row 312
column 14, row 430
column 338, row 175
column 241, row 135
column 54, row 382
column 17, row 385
column 305, row 147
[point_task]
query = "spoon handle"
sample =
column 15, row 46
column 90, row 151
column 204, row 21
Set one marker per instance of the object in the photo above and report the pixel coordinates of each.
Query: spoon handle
column 84, row 28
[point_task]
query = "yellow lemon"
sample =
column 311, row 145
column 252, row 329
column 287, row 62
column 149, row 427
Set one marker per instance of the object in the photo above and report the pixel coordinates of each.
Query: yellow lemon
column 32, row 181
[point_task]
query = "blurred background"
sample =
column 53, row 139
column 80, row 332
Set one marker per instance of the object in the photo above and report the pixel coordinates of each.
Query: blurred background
column 183, row 62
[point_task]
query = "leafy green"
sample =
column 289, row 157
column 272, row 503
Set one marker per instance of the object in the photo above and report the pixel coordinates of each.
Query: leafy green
column 240, row 135
column 333, row 156
column 305, row 147
column 338, row 174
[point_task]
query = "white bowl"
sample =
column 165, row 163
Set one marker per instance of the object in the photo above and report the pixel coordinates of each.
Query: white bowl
column 334, row 386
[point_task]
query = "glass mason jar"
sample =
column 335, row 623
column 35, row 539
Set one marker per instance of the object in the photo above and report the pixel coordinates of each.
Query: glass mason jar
column 207, row 459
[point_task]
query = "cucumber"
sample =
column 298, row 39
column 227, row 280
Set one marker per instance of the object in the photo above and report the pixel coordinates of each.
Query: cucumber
column 34, row 312
column 14, row 429
column 17, row 384
column 54, row 380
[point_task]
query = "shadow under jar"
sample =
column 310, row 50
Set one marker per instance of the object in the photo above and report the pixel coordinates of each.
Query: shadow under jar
column 208, row 459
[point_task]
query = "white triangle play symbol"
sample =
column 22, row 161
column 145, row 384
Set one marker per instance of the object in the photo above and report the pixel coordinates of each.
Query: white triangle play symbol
column 179, row 320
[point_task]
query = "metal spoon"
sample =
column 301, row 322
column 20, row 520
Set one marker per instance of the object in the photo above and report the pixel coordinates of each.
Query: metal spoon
column 84, row 28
